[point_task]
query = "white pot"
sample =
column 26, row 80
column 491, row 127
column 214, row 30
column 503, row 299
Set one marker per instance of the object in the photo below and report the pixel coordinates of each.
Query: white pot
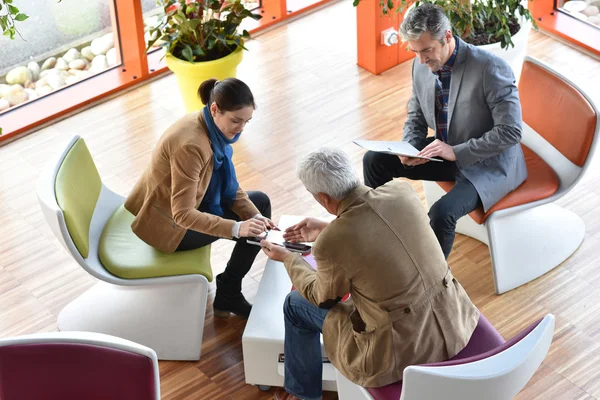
column 513, row 55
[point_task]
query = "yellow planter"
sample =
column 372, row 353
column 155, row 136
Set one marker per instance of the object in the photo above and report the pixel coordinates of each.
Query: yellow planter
column 190, row 75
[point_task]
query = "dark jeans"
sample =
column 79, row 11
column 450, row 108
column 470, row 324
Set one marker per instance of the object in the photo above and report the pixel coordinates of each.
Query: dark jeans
column 380, row 168
column 303, row 363
column 243, row 254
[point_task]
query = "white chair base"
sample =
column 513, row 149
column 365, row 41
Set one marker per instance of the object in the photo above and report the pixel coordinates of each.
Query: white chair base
column 524, row 243
column 167, row 318
column 529, row 243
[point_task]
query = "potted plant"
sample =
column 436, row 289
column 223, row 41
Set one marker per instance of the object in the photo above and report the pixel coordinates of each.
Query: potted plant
column 500, row 26
column 202, row 41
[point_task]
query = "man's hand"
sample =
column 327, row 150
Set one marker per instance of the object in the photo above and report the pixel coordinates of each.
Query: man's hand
column 437, row 148
column 306, row 230
column 412, row 161
column 268, row 223
column 274, row 251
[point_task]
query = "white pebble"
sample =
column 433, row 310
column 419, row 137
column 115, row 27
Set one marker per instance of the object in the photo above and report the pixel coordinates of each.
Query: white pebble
column 574, row 5
column 4, row 105
column 49, row 63
column 87, row 53
column 77, row 64
column 71, row 55
column 61, row 64
column 591, row 11
column 41, row 82
column 56, row 81
column 3, row 89
column 101, row 45
column 16, row 95
column 18, row 76
column 72, row 79
column 43, row 90
column 99, row 64
column 31, row 94
column 35, row 70
column 83, row 74
column 111, row 57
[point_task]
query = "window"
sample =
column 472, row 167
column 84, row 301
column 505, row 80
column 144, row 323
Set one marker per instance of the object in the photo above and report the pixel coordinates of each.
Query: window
column 62, row 44
column 586, row 11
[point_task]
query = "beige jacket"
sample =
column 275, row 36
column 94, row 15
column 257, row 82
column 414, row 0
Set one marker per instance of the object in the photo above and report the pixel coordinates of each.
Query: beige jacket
column 406, row 308
column 165, row 200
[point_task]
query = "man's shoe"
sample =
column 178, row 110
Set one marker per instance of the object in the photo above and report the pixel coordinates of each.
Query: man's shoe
column 281, row 394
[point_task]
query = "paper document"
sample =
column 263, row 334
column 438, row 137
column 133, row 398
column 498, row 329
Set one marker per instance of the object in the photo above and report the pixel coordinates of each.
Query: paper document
column 397, row 148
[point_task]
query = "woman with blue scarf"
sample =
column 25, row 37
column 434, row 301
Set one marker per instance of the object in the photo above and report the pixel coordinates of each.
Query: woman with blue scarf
column 189, row 196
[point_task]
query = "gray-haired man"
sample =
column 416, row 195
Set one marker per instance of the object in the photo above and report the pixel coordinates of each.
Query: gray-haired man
column 406, row 308
column 469, row 98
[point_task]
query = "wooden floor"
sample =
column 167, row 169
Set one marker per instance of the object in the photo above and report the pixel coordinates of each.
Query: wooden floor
column 310, row 92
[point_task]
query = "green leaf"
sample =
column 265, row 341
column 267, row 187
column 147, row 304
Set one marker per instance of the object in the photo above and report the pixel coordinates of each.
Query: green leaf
column 198, row 51
column 211, row 43
column 8, row 1
column 13, row 10
column 355, row 3
column 21, row 17
column 188, row 54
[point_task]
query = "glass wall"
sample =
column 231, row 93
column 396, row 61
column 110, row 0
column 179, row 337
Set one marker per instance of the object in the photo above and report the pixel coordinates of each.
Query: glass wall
column 60, row 44
column 585, row 10
column 76, row 52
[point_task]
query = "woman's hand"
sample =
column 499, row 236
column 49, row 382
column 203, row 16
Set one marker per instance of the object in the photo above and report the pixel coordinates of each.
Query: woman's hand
column 252, row 227
column 268, row 223
column 305, row 231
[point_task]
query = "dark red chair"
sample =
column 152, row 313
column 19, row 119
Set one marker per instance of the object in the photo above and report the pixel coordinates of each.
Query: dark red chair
column 76, row 366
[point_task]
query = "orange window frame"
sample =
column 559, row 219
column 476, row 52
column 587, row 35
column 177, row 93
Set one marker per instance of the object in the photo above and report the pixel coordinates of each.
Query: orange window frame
column 136, row 66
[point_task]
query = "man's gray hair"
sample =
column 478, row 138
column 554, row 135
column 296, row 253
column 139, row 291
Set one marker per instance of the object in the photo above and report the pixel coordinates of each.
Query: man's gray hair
column 425, row 18
column 329, row 171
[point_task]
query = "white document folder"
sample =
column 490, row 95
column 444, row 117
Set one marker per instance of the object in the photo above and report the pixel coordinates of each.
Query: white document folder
column 396, row 148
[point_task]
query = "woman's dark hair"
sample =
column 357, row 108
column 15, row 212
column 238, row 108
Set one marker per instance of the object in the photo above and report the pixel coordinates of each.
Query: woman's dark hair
column 230, row 94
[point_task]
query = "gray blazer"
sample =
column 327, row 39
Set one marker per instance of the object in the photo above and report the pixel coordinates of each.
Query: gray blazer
column 484, row 120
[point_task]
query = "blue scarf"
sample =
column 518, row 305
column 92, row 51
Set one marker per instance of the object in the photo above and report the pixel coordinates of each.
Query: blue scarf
column 223, row 184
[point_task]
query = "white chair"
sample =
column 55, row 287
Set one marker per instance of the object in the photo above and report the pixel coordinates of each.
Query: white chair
column 152, row 298
column 526, row 232
column 77, row 365
column 499, row 374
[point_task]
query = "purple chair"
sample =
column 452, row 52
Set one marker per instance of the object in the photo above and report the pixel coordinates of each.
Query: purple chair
column 488, row 364
column 75, row 366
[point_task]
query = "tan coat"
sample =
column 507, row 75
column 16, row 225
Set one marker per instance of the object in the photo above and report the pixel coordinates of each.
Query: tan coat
column 165, row 200
column 405, row 308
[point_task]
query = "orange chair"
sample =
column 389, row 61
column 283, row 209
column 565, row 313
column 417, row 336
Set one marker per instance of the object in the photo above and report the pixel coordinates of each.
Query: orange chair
column 526, row 233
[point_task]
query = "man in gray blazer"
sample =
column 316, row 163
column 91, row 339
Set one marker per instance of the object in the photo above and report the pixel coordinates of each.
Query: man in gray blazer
column 469, row 98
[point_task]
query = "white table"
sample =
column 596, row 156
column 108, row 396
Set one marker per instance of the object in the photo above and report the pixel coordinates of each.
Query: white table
column 262, row 341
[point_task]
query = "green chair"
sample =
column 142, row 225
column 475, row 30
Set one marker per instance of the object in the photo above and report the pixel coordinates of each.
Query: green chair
column 144, row 295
